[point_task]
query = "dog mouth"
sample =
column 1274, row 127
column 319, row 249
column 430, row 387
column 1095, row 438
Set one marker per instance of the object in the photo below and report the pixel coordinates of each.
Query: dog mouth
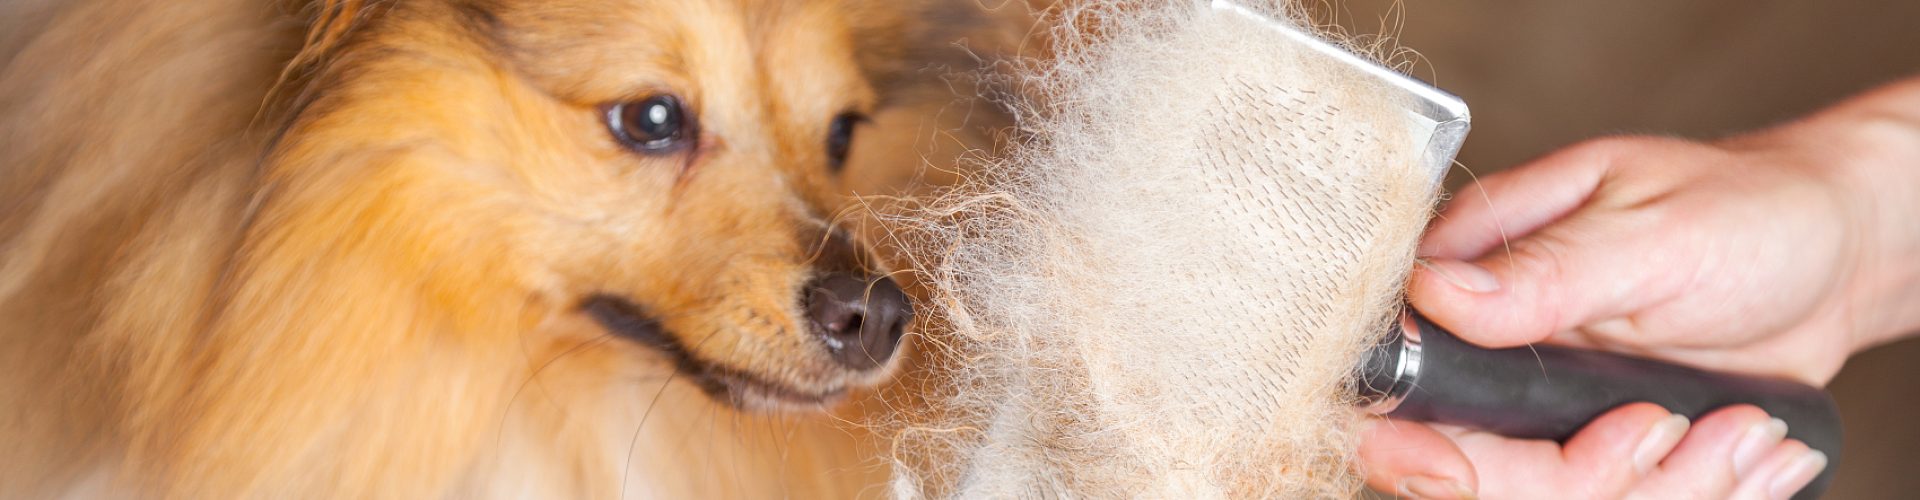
column 726, row 384
column 750, row 393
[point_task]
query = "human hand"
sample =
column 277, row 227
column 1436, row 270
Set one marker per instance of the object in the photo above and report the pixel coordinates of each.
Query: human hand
column 1764, row 254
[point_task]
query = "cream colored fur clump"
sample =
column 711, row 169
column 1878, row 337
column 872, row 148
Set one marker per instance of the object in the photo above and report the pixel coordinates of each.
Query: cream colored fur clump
column 1163, row 290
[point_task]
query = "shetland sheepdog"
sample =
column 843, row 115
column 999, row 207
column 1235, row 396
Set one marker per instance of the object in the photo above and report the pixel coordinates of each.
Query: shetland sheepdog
column 449, row 248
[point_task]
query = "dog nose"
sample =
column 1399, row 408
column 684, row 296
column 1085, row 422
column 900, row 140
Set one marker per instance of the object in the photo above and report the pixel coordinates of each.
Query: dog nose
column 861, row 319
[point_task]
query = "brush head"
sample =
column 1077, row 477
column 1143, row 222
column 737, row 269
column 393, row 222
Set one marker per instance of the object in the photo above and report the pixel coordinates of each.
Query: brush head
column 1437, row 122
column 1164, row 289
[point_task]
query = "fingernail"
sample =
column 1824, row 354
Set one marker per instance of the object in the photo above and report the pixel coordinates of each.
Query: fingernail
column 1660, row 440
column 1463, row 275
column 1796, row 475
column 1755, row 443
column 1429, row 487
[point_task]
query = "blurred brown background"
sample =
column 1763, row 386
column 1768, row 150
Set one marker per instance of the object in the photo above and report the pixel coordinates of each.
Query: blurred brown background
column 1543, row 74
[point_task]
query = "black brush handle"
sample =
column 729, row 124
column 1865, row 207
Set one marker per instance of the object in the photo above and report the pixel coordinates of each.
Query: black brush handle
column 1424, row 373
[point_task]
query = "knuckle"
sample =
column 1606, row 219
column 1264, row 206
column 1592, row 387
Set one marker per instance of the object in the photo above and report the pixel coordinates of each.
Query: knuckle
column 1680, row 492
column 1604, row 149
column 1613, row 143
column 1602, row 481
column 1614, row 485
column 1614, row 153
column 1539, row 265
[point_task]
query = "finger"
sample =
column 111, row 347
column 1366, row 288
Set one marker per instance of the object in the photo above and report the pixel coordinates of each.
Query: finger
column 1599, row 263
column 1784, row 471
column 1621, row 447
column 1604, row 460
column 1410, row 459
column 1719, row 449
column 1512, row 204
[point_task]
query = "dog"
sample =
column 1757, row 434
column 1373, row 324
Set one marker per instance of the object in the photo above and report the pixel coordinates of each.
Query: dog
column 446, row 248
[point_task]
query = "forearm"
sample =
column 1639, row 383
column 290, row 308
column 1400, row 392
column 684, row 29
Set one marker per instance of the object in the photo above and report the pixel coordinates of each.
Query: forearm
column 1877, row 137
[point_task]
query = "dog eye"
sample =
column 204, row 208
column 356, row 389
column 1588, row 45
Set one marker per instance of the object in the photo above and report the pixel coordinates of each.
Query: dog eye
column 840, row 138
column 654, row 125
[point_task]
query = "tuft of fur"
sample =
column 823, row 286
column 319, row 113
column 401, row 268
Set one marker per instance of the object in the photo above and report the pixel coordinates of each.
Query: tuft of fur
column 1164, row 289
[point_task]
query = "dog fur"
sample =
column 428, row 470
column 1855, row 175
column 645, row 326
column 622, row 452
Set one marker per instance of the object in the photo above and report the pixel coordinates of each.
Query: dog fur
column 338, row 249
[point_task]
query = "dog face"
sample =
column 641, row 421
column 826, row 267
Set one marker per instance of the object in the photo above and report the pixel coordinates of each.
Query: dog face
column 670, row 171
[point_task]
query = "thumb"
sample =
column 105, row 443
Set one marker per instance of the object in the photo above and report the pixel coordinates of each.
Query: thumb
column 1576, row 259
column 1594, row 265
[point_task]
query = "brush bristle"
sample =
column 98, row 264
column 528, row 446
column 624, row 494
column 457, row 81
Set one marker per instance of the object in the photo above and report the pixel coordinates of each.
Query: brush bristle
column 1163, row 290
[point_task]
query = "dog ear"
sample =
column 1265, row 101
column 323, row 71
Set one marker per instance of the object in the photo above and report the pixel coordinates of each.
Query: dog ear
column 330, row 25
column 917, row 43
column 329, row 22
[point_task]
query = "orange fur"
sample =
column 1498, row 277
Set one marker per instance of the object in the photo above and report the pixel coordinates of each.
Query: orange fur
column 338, row 249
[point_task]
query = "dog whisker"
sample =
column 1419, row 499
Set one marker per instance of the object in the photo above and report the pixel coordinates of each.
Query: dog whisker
column 505, row 413
column 627, row 468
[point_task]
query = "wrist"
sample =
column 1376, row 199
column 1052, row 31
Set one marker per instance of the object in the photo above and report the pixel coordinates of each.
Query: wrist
column 1869, row 149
